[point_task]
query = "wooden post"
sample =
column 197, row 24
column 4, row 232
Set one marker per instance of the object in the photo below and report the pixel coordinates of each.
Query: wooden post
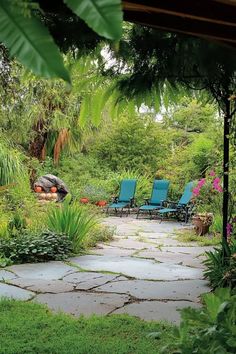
column 226, row 170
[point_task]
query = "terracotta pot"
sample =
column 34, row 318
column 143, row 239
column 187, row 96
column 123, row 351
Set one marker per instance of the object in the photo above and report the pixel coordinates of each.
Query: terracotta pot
column 38, row 189
column 53, row 189
column 202, row 224
column 84, row 200
column 101, row 203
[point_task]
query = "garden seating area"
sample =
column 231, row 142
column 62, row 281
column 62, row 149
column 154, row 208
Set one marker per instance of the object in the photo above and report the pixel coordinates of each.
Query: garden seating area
column 117, row 177
column 157, row 204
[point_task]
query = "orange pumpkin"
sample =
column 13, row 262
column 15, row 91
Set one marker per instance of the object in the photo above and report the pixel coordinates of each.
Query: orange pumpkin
column 53, row 189
column 38, row 189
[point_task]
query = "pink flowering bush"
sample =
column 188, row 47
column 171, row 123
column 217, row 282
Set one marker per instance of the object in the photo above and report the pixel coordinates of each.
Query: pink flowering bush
column 208, row 196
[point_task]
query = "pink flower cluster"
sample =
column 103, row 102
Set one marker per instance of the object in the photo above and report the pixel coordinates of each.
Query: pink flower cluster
column 196, row 190
column 216, row 184
column 229, row 229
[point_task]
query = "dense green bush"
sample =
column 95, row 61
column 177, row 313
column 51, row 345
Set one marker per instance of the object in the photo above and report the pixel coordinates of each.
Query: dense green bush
column 135, row 142
column 210, row 330
column 73, row 220
column 26, row 247
column 221, row 266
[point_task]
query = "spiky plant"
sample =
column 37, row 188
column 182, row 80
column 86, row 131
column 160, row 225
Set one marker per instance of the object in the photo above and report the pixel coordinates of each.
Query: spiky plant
column 74, row 221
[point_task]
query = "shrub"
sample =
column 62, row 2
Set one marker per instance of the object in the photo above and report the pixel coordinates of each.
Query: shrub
column 221, row 266
column 217, row 225
column 100, row 233
column 210, row 330
column 74, row 221
column 136, row 142
column 27, row 247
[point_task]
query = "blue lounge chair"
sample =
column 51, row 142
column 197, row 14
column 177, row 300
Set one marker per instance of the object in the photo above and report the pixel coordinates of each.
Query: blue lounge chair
column 159, row 195
column 181, row 209
column 125, row 198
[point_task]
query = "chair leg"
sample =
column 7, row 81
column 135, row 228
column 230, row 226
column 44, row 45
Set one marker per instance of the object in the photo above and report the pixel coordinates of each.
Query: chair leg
column 186, row 217
column 121, row 212
column 137, row 214
column 161, row 218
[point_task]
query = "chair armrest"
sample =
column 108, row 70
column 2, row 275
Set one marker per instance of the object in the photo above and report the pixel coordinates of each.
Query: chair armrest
column 147, row 201
column 162, row 203
column 132, row 202
column 114, row 199
column 171, row 203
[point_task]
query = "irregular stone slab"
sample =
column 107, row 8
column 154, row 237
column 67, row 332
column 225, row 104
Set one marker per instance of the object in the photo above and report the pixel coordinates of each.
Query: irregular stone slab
column 130, row 244
column 156, row 310
column 89, row 280
column 5, row 275
column 155, row 290
column 43, row 286
column 81, row 303
column 143, row 224
column 138, row 268
column 172, row 258
column 49, row 270
column 166, row 242
column 13, row 292
column 114, row 251
column 91, row 284
column 195, row 251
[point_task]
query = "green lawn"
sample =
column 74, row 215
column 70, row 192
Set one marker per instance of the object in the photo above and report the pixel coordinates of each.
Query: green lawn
column 32, row 328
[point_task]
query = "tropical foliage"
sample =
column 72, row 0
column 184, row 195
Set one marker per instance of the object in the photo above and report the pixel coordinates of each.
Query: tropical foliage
column 221, row 265
column 28, row 39
column 208, row 330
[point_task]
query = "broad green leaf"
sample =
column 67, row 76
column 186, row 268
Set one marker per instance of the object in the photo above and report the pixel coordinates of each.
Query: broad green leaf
column 30, row 42
column 103, row 16
column 84, row 111
column 212, row 305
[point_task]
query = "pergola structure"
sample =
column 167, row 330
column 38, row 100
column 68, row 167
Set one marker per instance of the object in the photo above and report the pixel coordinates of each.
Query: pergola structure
column 212, row 20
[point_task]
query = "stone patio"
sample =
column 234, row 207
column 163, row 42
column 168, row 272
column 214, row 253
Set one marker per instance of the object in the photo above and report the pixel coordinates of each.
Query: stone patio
column 143, row 272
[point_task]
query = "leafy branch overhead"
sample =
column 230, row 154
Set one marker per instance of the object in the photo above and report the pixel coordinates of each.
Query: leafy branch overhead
column 30, row 42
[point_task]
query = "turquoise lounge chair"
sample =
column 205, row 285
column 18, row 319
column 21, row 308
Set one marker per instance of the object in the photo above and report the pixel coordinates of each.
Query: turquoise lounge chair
column 125, row 198
column 183, row 208
column 159, row 195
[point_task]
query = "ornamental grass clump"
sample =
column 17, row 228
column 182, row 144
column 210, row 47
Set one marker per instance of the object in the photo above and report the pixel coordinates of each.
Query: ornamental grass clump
column 73, row 220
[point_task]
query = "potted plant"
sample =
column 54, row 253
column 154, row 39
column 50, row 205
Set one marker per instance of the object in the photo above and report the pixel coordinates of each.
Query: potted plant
column 207, row 197
column 202, row 223
column 84, row 200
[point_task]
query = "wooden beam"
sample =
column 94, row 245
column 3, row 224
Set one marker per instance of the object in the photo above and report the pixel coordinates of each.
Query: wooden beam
column 202, row 10
column 191, row 27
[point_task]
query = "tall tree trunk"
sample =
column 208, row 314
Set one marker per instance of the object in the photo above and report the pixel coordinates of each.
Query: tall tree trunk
column 37, row 145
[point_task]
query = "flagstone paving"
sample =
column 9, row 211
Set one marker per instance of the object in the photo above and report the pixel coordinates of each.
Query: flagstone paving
column 144, row 271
